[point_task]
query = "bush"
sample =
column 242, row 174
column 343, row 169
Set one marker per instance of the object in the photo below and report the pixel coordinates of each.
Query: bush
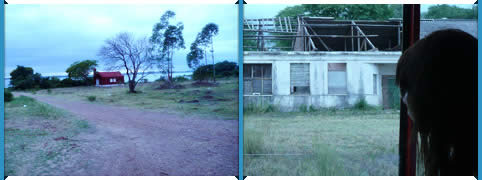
column 7, row 96
column 179, row 79
column 91, row 98
column 203, row 73
column 223, row 69
column 226, row 69
column 363, row 105
column 68, row 82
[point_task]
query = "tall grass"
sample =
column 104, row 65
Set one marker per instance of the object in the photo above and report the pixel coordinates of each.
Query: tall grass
column 322, row 141
column 253, row 142
column 255, row 108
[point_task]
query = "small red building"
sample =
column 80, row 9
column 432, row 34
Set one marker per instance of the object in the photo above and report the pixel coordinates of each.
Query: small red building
column 108, row 78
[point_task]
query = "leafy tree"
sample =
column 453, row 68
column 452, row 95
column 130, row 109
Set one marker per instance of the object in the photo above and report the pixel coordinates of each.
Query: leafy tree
column 22, row 78
column 166, row 39
column 195, row 56
column 202, row 73
column 50, row 82
column 206, row 39
column 397, row 10
column 450, row 12
column 340, row 11
column 226, row 69
column 173, row 41
column 81, row 69
column 123, row 51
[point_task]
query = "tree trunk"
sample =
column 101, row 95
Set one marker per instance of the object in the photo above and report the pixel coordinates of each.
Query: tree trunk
column 132, row 86
column 212, row 55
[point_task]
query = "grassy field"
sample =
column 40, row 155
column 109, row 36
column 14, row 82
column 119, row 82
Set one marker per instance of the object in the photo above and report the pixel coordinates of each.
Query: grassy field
column 325, row 142
column 217, row 101
column 38, row 137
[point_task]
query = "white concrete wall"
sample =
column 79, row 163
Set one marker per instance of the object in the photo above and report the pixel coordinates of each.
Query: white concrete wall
column 360, row 69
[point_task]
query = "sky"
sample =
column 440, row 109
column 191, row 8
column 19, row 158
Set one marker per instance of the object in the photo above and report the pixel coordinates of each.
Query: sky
column 50, row 37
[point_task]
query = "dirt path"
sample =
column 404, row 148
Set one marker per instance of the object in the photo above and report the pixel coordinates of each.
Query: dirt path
column 127, row 141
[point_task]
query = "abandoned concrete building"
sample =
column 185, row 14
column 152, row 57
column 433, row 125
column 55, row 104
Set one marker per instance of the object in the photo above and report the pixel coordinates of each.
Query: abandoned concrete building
column 326, row 62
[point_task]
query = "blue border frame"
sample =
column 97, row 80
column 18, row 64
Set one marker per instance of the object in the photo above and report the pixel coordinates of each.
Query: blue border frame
column 479, row 98
column 2, row 86
column 240, row 86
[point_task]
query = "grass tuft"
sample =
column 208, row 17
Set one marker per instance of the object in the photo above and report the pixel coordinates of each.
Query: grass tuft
column 91, row 98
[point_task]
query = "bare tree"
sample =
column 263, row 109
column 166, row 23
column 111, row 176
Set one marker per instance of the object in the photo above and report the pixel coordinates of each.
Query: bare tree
column 123, row 51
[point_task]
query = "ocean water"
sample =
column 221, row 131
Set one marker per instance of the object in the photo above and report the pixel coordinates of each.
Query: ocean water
column 151, row 77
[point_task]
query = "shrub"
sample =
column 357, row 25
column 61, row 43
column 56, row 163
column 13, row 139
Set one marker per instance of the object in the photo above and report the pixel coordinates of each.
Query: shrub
column 226, row 69
column 203, row 73
column 7, row 96
column 91, row 98
column 223, row 69
column 179, row 79
column 363, row 105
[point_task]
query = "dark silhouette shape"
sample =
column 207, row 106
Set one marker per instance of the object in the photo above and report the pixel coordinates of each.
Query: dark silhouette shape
column 437, row 80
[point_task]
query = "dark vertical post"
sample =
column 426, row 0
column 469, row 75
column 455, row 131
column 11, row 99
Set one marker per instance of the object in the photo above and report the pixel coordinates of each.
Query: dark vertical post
column 411, row 33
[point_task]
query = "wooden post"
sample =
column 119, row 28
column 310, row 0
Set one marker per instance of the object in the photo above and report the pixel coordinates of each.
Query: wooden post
column 358, row 41
column 352, row 41
column 407, row 151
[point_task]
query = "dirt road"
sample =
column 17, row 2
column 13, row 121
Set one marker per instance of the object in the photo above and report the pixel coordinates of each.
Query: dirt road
column 127, row 141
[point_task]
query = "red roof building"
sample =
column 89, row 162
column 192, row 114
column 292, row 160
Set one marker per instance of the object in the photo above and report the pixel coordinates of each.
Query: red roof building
column 108, row 78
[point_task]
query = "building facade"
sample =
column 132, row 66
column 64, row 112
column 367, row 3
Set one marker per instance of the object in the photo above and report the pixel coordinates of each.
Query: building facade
column 330, row 63
column 290, row 80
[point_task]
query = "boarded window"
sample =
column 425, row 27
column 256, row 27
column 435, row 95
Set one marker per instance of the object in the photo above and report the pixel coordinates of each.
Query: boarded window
column 257, row 79
column 300, row 78
column 337, row 78
column 375, row 88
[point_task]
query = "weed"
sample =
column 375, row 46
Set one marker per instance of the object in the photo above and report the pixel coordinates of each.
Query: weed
column 82, row 124
column 363, row 105
column 91, row 98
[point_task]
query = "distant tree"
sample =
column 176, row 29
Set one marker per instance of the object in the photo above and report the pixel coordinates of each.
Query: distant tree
column 397, row 10
column 22, row 78
column 450, row 12
column 340, row 11
column 166, row 39
column 49, row 82
column 195, row 55
column 202, row 73
column 125, row 52
column 173, row 40
column 226, row 69
column 206, row 38
column 81, row 69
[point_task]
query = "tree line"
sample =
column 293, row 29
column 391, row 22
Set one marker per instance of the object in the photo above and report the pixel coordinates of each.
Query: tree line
column 136, row 56
column 22, row 78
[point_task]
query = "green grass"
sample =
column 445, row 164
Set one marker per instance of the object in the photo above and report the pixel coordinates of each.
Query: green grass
column 30, row 132
column 321, row 142
column 220, row 101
